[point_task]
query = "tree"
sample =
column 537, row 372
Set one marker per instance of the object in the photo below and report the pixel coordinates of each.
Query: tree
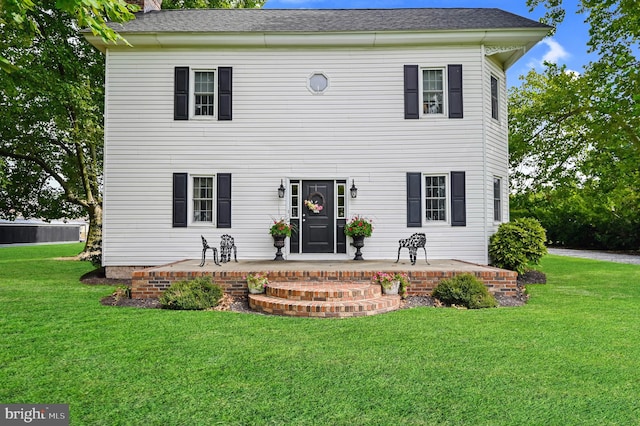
column 575, row 138
column 92, row 14
column 547, row 122
column 612, row 82
column 51, row 125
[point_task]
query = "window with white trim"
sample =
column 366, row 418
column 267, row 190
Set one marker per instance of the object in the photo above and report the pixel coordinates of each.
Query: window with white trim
column 202, row 199
column 435, row 187
column 497, row 199
column 341, row 200
column 433, row 91
column 295, row 200
column 204, row 93
column 494, row 98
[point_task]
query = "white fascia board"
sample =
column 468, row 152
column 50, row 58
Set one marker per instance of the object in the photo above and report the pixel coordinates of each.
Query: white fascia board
column 527, row 37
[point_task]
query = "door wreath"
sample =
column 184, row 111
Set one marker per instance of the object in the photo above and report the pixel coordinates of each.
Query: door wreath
column 315, row 202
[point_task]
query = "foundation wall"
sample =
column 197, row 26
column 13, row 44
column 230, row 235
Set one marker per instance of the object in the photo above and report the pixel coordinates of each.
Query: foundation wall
column 150, row 283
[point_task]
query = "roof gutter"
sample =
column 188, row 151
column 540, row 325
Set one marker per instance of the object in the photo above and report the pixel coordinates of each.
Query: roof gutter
column 524, row 38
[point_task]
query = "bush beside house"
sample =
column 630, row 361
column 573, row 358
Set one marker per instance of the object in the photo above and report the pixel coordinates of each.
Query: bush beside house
column 196, row 294
column 518, row 244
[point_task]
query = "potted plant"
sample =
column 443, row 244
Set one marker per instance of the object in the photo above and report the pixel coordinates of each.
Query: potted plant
column 395, row 283
column 257, row 282
column 280, row 230
column 358, row 228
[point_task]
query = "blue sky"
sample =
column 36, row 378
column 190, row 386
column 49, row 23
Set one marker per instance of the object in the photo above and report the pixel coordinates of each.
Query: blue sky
column 568, row 46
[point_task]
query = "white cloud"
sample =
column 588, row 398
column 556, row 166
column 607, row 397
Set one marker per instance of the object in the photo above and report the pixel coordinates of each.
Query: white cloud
column 555, row 53
column 574, row 73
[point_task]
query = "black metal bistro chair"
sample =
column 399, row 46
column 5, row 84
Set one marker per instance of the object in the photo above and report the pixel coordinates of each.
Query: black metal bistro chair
column 205, row 247
column 227, row 243
column 413, row 243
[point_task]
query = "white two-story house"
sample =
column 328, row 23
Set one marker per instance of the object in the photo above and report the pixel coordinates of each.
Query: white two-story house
column 220, row 121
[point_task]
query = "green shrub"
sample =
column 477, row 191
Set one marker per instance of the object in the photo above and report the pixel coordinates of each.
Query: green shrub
column 196, row 294
column 517, row 244
column 464, row 290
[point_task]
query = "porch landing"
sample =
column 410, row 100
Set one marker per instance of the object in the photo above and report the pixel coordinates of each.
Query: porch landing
column 151, row 282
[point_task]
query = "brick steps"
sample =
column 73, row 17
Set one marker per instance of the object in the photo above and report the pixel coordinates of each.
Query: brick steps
column 329, row 292
column 323, row 300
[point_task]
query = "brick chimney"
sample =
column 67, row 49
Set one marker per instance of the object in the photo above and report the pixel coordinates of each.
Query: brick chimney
column 146, row 5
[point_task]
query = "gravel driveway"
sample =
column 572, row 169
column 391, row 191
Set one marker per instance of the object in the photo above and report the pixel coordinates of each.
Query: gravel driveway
column 598, row 255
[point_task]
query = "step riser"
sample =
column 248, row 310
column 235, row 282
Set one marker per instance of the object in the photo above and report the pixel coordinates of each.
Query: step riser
column 326, row 310
column 327, row 293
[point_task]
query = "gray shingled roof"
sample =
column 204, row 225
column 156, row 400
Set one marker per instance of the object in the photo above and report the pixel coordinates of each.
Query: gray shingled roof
column 324, row 20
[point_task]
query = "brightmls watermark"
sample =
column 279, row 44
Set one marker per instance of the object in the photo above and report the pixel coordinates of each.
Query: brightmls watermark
column 34, row 414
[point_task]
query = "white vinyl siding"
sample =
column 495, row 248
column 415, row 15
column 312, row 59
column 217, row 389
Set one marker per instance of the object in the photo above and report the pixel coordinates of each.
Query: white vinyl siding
column 354, row 130
column 497, row 147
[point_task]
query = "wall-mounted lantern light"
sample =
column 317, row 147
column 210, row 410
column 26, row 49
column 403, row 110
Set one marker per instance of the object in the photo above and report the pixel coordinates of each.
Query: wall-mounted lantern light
column 353, row 189
column 281, row 190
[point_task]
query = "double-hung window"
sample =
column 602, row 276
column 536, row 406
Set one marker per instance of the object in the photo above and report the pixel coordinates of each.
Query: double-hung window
column 204, row 93
column 435, row 198
column 494, row 98
column 203, row 199
column 433, row 91
column 497, row 199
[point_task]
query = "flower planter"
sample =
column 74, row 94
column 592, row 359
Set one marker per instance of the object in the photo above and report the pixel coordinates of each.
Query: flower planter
column 358, row 228
column 395, row 283
column 257, row 283
column 278, row 242
column 358, row 243
column 395, row 287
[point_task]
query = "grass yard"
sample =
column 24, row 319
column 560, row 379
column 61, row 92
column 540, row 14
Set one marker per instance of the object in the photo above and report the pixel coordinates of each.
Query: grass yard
column 571, row 356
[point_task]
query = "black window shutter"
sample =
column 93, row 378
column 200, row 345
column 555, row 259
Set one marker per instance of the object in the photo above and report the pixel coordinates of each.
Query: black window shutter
column 458, row 199
column 223, row 204
column 181, row 94
column 179, row 200
column 411, row 95
column 414, row 200
column 224, row 93
column 455, row 90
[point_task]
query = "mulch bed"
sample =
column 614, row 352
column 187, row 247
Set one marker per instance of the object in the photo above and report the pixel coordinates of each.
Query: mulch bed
column 97, row 277
column 532, row 277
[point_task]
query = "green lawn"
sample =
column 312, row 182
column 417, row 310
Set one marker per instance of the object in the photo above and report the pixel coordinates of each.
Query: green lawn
column 571, row 356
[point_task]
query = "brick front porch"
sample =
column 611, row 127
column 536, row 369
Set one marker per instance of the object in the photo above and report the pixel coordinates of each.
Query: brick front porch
column 151, row 282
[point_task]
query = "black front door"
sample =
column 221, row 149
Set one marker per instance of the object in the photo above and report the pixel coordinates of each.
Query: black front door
column 318, row 217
